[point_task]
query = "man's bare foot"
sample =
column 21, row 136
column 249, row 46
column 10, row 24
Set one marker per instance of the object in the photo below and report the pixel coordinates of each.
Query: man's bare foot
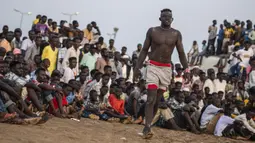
column 138, row 121
column 147, row 133
column 195, row 131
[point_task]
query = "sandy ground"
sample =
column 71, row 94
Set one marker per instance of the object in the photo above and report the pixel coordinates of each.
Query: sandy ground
column 90, row 131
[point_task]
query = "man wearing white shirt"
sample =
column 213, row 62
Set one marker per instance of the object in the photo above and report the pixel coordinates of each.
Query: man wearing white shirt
column 209, row 82
column 29, row 42
column 220, row 84
column 70, row 72
column 73, row 52
column 244, row 56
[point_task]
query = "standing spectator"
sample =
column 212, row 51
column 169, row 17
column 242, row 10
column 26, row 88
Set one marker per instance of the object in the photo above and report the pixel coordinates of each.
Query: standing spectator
column 54, row 29
column 101, row 41
column 89, row 59
column 137, row 52
column 6, row 42
column 62, row 52
column 72, row 52
column 220, row 40
column 124, row 54
column 51, row 52
column 201, row 54
column 220, row 84
column 252, row 36
column 49, row 23
column 116, row 64
column 70, row 72
column 228, row 32
column 16, row 42
column 212, row 30
column 102, row 62
column 32, row 51
column 84, row 50
column 111, row 45
column 95, row 30
column 209, row 82
column 42, row 27
column 88, row 34
column 238, row 31
column 5, row 30
column 28, row 43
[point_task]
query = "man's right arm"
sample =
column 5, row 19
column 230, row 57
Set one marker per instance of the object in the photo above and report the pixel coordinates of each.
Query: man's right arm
column 145, row 49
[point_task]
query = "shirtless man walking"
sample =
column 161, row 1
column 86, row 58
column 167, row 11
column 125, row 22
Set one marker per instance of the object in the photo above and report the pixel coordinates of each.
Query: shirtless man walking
column 162, row 40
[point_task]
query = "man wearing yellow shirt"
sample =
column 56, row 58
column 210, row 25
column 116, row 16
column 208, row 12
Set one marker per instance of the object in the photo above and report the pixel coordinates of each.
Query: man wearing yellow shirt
column 51, row 52
column 38, row 17
column 228, row 33
column 6, row 42
column 88, row 34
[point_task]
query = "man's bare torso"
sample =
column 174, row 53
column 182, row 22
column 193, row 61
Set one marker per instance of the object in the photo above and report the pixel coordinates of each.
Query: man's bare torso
column 163, row 42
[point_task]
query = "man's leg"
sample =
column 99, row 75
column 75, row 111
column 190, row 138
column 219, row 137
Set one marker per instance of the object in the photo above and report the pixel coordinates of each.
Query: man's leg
column 33, row 97
column 149, row 109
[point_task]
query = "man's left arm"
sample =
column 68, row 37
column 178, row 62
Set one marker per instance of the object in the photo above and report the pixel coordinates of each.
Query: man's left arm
column 181, row 51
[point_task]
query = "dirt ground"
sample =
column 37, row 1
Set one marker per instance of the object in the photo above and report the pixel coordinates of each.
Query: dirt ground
column 90, row 131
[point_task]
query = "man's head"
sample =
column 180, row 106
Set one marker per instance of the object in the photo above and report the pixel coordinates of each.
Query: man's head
column 54, row 25
column 111, row 42
column 54, row 41
column 105, row 53
column 94, row 24
column 178, row 86
column 83, row 77
column 41, row 75
column 98, row 76
column 4, row 67
column 43, row 19
column 76, row 42
column 38, row 16
column 117, row 56
column 38, row 41
column 89, row 27
column 123, row 50
column 72, row 62
column 9, row 36
column 139, row 47
column 85, row 69
column 220, row 75
column 75, row 24
column 166, row 17
column 240, row 105
column 220, row 95
column 195, row 88
column 242, row 24
column 252, row 94
column 247, row 45
column 2, row 52
column 240, row 84
column 105, row 79
column 179, row 96
column 216, row 102
column 67, row 89
column 118, row 91
column 104, row 90
column 179, row 71
column 5, row 29
column 202, row 76
column 214, row 22
column 207, row 90
column 108, row 69
column 211, row 74
column 93, row 73
column 17, row 33
column 93, row 96
column 86, row 48
column 252, row 62
column 204, row 42
column 114, row 76
column 46, row 63
column 31, row 35
column 101, row 40
column 69, row 43
column 37, row 59
column 92, row 49
column 50, row 21
column 221, row 26
column 17, row 68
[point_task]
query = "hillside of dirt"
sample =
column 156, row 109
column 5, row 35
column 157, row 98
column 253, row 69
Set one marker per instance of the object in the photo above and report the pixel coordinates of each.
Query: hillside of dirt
column 91, row 131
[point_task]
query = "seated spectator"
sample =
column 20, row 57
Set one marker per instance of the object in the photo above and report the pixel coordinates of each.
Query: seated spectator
column 111, row 46
column 201, row 54
column 102, row 62
column 193, row 53
column 70, row 72
column 89, row 59
column 181, row 112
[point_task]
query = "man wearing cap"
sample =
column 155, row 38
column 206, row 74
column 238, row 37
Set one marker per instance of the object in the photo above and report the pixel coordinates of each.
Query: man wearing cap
column 161, row 40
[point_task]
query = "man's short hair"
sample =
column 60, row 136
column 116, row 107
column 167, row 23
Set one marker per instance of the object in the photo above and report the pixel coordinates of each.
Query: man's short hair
column 104, row 75
column 93, row 22
column 76, row 38
column 72, row 58
column 107, row 67
column 38, row 70
column 2, row 51
column 84, row 67
column 166, row 10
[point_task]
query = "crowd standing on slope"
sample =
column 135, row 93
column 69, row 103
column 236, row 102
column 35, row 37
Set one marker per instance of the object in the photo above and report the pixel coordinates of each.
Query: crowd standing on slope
column 63, row 71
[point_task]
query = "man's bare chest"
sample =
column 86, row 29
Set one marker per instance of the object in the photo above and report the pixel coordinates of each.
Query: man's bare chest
column 164, row 37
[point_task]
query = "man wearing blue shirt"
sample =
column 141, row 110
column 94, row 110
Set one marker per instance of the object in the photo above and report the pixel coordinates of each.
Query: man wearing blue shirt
column 220, row 40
